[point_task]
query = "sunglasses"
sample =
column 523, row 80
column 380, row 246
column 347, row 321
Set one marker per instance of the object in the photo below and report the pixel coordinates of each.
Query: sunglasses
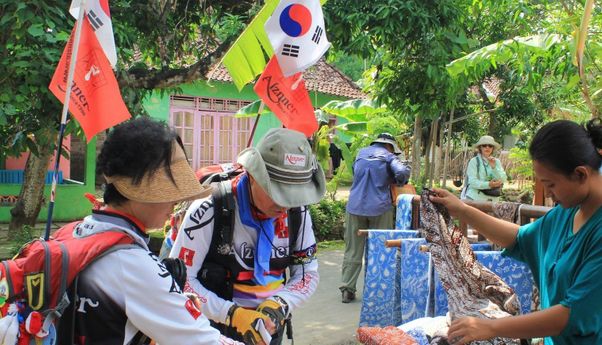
column 486, row 145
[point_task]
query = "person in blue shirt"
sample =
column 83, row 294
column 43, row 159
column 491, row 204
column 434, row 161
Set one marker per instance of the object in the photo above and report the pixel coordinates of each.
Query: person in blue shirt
column 375, row 169
column 563, row 248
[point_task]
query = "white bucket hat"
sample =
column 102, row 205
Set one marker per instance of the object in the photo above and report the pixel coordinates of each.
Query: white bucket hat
column 487, row 140
column 386, row 138
column 285, row 168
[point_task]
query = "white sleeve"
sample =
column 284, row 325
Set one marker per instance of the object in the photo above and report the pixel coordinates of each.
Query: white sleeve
column 192, row 245
column 154, row 303
column 304, row 276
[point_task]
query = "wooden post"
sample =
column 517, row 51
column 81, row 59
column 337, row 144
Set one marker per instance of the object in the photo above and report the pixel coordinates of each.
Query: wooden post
column 447, row 147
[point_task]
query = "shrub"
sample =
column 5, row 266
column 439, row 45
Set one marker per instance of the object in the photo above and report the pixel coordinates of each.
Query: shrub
column 328, row 217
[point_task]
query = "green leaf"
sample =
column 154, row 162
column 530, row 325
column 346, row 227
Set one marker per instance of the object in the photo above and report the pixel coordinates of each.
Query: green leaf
column 253, row 109
column 353, row 110
column 36, row 30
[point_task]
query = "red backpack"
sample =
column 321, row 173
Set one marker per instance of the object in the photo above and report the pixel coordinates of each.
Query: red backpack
column 36, row 280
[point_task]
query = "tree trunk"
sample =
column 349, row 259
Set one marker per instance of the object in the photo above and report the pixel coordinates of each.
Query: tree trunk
column 439, row 150
column 416, row 150
column 447, row 148
column 31, row 196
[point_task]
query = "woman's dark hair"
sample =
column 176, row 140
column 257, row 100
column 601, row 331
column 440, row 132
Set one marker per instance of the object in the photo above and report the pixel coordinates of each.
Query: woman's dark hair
column 133, row 149
column 564, row 145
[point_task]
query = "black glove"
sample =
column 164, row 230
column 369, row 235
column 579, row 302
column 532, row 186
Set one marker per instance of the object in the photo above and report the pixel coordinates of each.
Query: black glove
column 177, row 269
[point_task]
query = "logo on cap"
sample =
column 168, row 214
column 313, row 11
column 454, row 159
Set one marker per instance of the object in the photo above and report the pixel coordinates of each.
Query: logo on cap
column 294, row 160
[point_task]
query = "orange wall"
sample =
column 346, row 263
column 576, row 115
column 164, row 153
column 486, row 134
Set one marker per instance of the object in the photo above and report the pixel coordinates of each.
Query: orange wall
column 13, row 163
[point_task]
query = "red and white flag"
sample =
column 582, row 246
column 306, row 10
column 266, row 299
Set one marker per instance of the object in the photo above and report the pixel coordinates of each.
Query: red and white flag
column 99, row 16
column 95, row 99
column 297, row 34
column 287, row 97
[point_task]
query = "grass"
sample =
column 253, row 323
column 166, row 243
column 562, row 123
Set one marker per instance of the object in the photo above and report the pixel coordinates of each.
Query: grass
column 331, row 245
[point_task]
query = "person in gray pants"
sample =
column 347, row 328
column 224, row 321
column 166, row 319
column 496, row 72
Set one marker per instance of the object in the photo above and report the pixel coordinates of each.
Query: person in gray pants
column 375, row 169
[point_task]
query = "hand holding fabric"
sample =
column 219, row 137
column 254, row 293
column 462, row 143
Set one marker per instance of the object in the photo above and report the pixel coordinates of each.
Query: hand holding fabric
column 447, row 199
column 465, row 330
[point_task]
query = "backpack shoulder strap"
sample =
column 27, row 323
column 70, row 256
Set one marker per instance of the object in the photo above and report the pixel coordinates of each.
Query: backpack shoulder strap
column 223, row 218
column 294, row 226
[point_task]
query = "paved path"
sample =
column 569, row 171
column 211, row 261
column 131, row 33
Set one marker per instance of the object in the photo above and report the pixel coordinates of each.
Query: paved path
column 324, row 320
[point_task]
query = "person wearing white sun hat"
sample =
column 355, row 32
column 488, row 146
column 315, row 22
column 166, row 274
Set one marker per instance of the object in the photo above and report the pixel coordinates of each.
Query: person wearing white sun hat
column 485, row 175
column 247, row 285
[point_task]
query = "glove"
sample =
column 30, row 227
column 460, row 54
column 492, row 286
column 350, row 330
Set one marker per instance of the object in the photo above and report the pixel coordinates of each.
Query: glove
column 245, row 320
column 177, row 269
column 276, row 311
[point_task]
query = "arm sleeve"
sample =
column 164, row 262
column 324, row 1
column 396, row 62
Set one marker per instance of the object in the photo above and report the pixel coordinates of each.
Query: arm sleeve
column 499, row 172
column 583, row 296
column 526, row 243
column 401, row 172
column 474, row 175
column 192, row 245
column 154, row 303
column 304, row 277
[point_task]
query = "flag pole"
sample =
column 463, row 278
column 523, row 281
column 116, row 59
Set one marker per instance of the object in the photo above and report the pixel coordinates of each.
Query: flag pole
column 261, row 106
column 65, row 114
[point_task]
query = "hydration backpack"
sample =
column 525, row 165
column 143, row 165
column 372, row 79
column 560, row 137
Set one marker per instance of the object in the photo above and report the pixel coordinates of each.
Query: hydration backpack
column 34, row 284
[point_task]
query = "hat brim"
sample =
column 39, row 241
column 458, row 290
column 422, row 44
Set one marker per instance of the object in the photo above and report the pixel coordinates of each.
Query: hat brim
column 283, row 194
column 495, row 145
column 158, row 187
column 396, row 148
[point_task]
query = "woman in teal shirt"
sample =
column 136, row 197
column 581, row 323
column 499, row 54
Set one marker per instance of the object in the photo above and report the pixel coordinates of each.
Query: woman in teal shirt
column 563, row 248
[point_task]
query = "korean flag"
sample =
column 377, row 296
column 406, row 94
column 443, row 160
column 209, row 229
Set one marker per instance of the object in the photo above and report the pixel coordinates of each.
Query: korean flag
column 296, row 32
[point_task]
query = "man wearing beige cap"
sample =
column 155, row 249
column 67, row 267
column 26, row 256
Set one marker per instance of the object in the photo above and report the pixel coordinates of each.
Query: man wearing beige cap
column 128, row 296
column 243, row 283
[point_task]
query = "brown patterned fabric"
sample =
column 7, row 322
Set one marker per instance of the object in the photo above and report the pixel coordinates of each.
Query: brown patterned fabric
column 507, row 211
column 389, row 335
column 472, row 290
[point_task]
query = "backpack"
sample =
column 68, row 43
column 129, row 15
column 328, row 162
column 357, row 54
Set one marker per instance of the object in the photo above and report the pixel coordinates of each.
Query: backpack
column 220, row 269
column 34, row 284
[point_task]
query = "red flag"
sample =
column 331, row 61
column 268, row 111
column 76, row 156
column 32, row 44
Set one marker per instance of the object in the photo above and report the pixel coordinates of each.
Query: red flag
column 292, row 107
column 95, row 99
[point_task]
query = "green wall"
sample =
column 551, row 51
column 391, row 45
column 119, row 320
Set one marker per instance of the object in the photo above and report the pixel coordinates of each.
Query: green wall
column 157, row 104
column 70, row 203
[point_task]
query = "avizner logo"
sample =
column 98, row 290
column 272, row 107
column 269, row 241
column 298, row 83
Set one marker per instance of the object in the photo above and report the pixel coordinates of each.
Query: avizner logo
column 294, row 160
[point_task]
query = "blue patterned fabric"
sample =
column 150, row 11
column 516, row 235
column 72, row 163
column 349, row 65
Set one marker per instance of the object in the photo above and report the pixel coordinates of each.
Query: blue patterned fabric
column 403, row 215
column 414, row 279
column 514, row 273
column 419, row 336
column 380, row 300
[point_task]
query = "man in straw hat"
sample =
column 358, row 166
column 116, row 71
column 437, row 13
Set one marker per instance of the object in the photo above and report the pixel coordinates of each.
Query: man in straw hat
column 281, row 173
column 375, row 169
column 128, row 296
column 484, row 172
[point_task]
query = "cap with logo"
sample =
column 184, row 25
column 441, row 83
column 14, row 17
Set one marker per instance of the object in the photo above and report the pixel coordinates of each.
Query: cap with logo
column 286, row 169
